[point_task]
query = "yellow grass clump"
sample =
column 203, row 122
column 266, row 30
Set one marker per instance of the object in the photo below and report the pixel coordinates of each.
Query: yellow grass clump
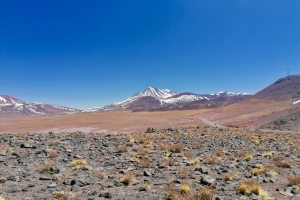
column 269, row 154
column 194, row 162
column 185, row 188
column 227, row 177
column 79, row 162
column 249, row 186
column 127, row 178
column 248, row 157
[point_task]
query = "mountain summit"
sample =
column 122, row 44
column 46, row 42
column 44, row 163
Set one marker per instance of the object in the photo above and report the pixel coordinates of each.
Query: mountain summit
column 154, row 92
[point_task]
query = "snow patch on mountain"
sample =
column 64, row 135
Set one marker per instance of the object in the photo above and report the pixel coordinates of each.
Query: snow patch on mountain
column 296, row 102
column 229, row 94
column 183, row 99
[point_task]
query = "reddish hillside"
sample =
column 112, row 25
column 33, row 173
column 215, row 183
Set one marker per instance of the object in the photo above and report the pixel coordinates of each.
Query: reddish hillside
column 283, row 89
column 265, row 108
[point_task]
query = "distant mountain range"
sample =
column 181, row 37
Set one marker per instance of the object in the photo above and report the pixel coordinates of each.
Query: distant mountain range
column 13, row 106
column 150, row 99
column 154, row 99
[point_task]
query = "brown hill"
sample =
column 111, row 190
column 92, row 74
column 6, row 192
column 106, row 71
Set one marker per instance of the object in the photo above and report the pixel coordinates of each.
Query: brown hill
column 283, row 89
column 263, row 108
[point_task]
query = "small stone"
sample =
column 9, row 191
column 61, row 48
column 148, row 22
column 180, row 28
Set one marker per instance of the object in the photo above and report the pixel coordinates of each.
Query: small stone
column 105, row 195
column 12, row 178
column 2, row 153
column 26, row 145
column 206, row 180
column 268, row 174
column 2, row 179
column 204, row 170
column 45, row 178
column 288, row 194
column 147, row 173
column 52, row 185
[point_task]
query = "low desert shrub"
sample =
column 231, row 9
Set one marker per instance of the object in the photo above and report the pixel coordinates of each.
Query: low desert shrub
column 145, row 162
column 45, row 167
column 294, row 180
column 281, row 162
column 142, row 152
column 187, row 154
column 171, row 161
column 53, row 142
column 184, row 172
column 211, row 160
column 23, row 153
column 177, row 148
column 53, row 153
column 98, row 174
column 121, row 149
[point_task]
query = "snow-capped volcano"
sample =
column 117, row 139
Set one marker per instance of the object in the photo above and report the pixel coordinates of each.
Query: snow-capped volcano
column 154, row 92
column 164, row 99
column 149, row 92
column 13, row 106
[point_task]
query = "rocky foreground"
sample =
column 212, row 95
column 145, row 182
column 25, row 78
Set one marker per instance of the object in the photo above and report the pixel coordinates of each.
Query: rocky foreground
column 186, row 163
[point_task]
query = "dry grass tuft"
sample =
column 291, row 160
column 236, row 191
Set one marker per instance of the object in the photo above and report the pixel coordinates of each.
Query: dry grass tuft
column 227, row 177
column 79, row 162
column 206, row 193
column 248, row 158
column 249, row 186
column 127, row 178
column 211, row 160
column 185, row 187
column 269, row 154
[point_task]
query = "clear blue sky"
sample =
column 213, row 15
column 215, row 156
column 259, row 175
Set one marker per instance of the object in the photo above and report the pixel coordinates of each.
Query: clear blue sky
column 92, row 53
